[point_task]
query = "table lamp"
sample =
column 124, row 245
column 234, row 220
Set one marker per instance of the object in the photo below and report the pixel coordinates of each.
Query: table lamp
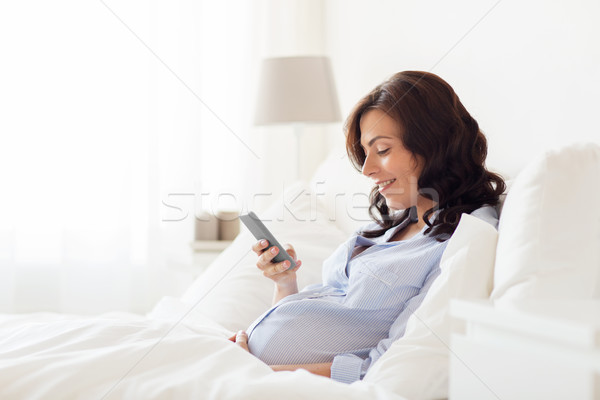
column 297, row 91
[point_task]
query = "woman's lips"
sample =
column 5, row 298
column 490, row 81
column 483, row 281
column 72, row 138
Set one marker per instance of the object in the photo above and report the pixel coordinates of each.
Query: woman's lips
column 387, row 185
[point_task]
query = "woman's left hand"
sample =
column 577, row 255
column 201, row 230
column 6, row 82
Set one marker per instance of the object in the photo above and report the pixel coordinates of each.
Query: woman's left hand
column 240, row 339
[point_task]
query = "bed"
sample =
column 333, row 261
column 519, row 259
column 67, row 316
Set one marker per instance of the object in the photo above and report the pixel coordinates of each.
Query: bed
column 180, row 349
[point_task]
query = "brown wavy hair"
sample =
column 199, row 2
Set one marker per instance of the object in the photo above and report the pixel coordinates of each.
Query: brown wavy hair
column 437, row 127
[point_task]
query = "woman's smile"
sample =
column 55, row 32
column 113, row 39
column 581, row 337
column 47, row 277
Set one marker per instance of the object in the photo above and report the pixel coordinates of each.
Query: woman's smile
column 385, row 185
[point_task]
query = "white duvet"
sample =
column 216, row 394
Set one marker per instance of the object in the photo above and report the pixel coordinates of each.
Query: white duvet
column 181, row 351
column 173, row 353
column 125, row 356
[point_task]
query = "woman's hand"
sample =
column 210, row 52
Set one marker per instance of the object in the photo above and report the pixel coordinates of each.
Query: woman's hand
column 240, row 339
column 285, row 280
column 278, row 272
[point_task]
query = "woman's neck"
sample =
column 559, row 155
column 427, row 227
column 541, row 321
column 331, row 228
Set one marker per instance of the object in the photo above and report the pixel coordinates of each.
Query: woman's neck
column 423, row 204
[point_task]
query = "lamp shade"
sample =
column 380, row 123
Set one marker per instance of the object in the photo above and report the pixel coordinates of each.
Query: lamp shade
column 296, row 89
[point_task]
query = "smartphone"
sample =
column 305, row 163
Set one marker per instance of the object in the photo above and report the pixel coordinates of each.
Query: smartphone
column 260, row 232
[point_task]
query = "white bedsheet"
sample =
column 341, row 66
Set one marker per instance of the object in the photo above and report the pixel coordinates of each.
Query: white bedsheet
column 125, row 356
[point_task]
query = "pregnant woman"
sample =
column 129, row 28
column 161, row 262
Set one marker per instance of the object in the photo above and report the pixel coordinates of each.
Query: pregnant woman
column 426, row 157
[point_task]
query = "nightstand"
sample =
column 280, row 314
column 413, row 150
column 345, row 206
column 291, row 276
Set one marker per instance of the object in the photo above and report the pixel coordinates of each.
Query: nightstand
column 546, row 349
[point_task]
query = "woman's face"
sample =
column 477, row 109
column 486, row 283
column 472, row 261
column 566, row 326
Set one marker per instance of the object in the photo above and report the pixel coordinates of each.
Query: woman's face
column 391, row 166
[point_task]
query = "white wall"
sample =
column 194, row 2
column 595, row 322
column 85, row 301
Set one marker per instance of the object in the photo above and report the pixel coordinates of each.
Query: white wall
column 288, row 28
column 529, row 71
column 106, row 136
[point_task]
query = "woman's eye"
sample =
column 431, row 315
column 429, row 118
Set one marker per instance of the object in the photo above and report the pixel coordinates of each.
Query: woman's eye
column 382, row 152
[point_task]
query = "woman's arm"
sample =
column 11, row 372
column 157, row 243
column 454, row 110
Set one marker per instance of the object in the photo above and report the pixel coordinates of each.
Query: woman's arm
column 282, row 291
column 323, row 369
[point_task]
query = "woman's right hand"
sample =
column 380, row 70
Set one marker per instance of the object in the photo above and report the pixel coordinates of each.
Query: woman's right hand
column 278, row 272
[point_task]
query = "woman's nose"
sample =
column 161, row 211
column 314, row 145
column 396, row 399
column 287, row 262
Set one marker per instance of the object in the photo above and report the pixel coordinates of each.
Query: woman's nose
column 368, row 167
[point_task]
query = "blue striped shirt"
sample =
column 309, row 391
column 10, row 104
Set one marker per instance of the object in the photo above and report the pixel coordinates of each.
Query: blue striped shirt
column 358, row 311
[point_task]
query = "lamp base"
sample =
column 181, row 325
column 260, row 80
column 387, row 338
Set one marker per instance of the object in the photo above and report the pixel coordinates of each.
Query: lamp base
column 298, row 132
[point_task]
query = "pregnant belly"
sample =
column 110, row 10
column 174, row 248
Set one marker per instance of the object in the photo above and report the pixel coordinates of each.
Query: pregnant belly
column 316, row 330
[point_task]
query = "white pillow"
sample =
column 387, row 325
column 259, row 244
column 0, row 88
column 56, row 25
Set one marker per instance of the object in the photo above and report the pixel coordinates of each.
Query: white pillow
column 416, row 365
column 343, row 191
column 550, row 228
column 233, row 292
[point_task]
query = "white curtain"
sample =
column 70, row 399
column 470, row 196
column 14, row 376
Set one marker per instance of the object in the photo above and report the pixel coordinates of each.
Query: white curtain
column 114, row 117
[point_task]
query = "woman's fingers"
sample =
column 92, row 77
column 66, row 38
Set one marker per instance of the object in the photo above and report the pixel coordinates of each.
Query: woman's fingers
column 241, row 339
column 265, row 258
column 279, row 268
column 290, row 250
column 298, row 264
column 260, row 246
column 276, row 268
